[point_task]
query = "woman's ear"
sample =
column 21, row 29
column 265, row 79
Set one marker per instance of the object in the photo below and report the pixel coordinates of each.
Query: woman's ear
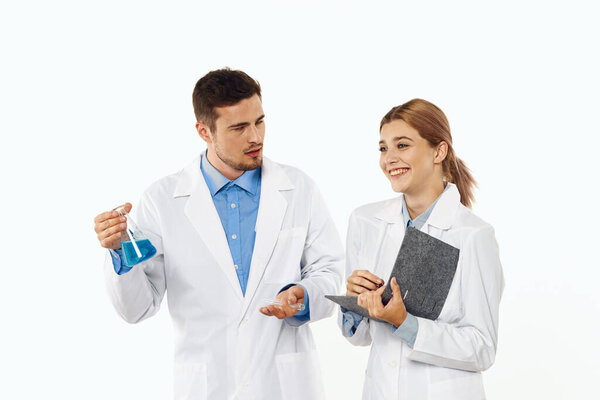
column 440, row 152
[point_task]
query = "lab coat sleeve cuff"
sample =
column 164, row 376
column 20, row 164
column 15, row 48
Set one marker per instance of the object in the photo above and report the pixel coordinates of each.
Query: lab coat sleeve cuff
column 408, row 330
column 303, row 316
column 350, row 322
column 118, row 265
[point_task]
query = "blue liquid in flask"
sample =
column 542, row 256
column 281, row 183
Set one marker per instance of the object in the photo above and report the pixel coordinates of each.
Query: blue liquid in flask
column 131, row 258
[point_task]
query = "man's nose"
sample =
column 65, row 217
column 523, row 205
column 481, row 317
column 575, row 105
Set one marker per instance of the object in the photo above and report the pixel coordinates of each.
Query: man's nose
column 254, row 134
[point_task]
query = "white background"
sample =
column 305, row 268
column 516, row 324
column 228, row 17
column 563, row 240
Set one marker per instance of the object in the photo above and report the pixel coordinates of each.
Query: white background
column 95, row 103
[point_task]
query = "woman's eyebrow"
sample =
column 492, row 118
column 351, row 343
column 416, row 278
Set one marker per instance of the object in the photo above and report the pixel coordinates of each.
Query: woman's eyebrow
column 397, row 138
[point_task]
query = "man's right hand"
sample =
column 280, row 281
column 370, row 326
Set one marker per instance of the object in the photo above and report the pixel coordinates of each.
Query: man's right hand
column 362, row 281
column 109, row 225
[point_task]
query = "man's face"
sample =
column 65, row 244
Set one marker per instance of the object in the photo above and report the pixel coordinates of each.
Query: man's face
column 236, row 144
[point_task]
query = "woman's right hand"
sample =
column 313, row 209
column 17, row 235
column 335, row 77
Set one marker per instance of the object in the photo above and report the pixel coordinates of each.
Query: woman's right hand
column 362, row 281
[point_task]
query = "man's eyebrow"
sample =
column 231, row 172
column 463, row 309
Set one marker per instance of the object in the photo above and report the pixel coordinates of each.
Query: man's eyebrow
column 397, row 139
column 242, row 124
column 238, row 125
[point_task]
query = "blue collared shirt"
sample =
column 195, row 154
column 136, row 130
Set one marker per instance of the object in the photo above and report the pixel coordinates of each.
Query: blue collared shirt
column 410, row 327
column 237, row 205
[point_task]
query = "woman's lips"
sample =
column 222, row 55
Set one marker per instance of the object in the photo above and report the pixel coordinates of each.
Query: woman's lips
column 398, row 171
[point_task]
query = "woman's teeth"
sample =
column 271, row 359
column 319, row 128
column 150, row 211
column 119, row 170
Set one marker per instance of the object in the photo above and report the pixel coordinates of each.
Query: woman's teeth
column 398, row 171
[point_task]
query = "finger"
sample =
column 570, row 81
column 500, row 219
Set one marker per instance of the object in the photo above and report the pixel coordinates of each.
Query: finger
column 375, row 305
column 357, row 280
column 111, row 235
column 126, row 206
column 108, row 223
column 362, row 300
column 112, row 242
column 104, row 216
column 356, row 290
column 371, row 277
column 265, row 311
column 277, row 311
column 116, row 228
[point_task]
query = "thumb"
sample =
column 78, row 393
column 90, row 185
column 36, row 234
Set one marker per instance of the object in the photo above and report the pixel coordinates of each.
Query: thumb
column 291, row 298
column 396, row 289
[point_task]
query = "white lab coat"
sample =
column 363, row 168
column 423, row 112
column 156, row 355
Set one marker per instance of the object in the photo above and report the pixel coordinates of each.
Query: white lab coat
column 224, row 347
column 450, row 352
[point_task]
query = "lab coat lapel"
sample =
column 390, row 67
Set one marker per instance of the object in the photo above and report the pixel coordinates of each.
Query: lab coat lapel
column 443, row 214
column 271, row 212
column 202, row 214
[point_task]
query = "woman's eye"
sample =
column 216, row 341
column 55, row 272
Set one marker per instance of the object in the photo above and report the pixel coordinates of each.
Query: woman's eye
column 401, row 145
column 382, row 149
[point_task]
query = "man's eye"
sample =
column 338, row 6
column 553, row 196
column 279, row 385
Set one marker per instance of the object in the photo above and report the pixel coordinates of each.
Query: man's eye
column 260, row 122
column 382, row 149
column 239, row 128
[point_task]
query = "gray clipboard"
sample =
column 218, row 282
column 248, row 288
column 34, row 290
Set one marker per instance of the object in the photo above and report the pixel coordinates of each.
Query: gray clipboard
column 424, row 269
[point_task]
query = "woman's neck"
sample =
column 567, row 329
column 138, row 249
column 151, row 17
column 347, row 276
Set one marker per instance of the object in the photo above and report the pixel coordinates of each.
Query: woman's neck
column 417, row 203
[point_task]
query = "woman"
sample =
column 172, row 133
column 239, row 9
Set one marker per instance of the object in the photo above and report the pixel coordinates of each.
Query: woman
column 411, row 357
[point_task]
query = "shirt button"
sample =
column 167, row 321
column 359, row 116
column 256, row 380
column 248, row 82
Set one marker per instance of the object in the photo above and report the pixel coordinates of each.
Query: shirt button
column 232, row 205
column 235, row 266
column 234, row 236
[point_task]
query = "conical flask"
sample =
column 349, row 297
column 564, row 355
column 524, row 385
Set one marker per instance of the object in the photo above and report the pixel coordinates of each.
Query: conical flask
column 135, row 245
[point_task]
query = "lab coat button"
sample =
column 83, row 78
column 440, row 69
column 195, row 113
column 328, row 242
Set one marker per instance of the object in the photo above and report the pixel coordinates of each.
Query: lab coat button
column 393, row 364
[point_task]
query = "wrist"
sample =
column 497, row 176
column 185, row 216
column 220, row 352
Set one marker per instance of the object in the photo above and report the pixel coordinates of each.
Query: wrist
column 399, row 320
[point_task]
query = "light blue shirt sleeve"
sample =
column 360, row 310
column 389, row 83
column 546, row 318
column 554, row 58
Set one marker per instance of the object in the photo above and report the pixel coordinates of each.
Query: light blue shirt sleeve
column 301, row 317
column 350, row 322
column 120, row 268
column 408, row 330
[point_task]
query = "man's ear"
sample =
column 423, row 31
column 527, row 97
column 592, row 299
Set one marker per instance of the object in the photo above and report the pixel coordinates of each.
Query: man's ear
column 441, row 152
column 204, row 131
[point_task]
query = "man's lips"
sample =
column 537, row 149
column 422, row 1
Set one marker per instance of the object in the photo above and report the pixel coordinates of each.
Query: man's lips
column 253, row 152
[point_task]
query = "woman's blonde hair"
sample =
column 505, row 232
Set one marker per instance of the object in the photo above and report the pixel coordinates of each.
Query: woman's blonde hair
column 433, row 126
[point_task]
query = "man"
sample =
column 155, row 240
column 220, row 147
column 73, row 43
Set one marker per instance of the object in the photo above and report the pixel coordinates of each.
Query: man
column 233, row 230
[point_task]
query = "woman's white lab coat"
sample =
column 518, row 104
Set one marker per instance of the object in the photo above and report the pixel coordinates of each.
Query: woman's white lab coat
column 449, row 353
column 224, row 347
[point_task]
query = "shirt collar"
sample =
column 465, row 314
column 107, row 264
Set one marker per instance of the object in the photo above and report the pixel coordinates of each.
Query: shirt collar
column 418, row 222
column 215, row 181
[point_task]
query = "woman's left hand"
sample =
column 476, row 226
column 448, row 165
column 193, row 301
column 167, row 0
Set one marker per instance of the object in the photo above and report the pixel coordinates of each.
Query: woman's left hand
column 394, row 311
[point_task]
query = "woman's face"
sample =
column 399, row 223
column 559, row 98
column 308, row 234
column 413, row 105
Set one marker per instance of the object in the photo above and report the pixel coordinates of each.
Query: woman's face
column 407, row 159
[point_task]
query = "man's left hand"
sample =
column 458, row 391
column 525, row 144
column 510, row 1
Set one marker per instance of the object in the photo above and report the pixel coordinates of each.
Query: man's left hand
column 292, row 295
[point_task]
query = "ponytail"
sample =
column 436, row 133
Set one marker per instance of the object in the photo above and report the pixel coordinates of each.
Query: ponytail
column 458, row 173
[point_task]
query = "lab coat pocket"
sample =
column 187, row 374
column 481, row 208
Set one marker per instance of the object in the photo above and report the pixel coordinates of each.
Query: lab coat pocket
column 190, row 381
column 300, row 376
column 284, row 264
column 466, row 386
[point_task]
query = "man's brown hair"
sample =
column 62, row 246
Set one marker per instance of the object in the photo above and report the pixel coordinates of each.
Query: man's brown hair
column 221, row 88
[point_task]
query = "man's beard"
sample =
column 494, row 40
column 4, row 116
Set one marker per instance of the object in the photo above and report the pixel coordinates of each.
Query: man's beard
column 248, row 166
